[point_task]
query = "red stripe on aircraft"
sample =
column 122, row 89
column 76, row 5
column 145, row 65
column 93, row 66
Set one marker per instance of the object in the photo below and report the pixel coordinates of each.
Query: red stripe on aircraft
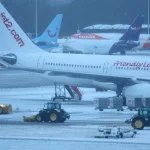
column 88, row 36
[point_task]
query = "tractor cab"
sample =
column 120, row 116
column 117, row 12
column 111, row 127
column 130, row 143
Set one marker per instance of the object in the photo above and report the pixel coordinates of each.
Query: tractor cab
column 144, row 112
column 52, row 105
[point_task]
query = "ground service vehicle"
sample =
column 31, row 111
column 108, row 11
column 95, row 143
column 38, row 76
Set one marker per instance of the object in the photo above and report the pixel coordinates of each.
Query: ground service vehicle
column 5, row 109
column 52, row 113
column 117, row 132
column 141, row 119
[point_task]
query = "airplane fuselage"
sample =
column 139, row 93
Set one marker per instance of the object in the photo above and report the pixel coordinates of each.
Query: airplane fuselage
column 100, row 46
column 88, row 68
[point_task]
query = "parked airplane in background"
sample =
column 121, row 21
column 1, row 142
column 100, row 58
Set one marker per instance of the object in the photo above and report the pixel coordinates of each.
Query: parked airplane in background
column 71, row 69
column 144, row 39
column 103, row 45
column 48, row 40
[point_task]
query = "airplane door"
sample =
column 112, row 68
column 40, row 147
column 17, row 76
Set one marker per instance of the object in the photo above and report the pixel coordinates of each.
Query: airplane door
column 40, row 63
column 105, row 67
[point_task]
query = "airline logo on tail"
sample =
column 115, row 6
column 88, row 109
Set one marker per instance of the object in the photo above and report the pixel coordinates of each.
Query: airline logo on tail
column 133, row 32
column 9, row 26
column 52, row 35
column 135, row 28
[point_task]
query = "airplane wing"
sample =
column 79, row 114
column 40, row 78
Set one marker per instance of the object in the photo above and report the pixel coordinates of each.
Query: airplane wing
column 119, row 80
column 143, row 79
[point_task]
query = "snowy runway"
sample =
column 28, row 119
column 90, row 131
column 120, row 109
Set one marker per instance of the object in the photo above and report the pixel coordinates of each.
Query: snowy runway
column 66, row 138
column 76, row 133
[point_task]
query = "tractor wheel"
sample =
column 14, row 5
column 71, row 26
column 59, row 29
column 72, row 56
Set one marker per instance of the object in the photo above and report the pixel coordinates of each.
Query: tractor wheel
column 100, row 109
column 54, row 116
column 62, row 120
column 1, row 110
column 38, row 118
column 138, row 123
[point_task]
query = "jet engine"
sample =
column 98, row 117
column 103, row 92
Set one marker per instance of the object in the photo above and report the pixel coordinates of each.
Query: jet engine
column 137, row 90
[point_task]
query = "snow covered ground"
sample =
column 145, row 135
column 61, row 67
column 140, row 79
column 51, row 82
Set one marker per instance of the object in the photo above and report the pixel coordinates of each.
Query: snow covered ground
column 46, row 92
column 76, row 133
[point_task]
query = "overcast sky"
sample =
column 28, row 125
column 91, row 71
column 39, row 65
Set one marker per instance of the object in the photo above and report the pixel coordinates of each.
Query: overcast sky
column 82, row 12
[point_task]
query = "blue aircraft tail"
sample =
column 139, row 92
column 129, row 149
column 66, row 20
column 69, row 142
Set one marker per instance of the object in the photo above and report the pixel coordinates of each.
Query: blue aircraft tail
column 51, row 34
column 130, row 38
column 133, row 32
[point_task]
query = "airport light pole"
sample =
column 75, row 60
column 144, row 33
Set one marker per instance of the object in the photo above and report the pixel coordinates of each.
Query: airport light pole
column 148, row 16
column 36, row 19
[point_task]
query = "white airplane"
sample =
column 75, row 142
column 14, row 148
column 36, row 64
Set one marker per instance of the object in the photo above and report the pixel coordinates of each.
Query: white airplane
column 71, row 69
column 107, row 44
column 100, row 43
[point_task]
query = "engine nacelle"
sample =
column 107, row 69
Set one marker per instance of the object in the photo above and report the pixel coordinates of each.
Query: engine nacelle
column 137, row 90
column 105, row 85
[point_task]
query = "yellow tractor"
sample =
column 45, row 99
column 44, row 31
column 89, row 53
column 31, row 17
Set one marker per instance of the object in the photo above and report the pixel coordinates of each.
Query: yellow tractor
column 141, row 119
column 5, row 109
column 51, row 113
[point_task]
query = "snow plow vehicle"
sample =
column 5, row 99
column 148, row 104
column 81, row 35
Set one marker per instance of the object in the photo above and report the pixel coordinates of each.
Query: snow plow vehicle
column 140, row 120
column 52, row 113
column 5, row 109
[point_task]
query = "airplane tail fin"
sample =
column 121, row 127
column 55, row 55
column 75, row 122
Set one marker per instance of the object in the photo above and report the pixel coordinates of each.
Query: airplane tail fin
column 133, row 32
column 51, row 34
column 12, row 36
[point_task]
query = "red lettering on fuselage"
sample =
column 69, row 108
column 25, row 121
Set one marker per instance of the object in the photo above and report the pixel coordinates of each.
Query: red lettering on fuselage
column 88, row 36
column 131, row 64
column 13, row 32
